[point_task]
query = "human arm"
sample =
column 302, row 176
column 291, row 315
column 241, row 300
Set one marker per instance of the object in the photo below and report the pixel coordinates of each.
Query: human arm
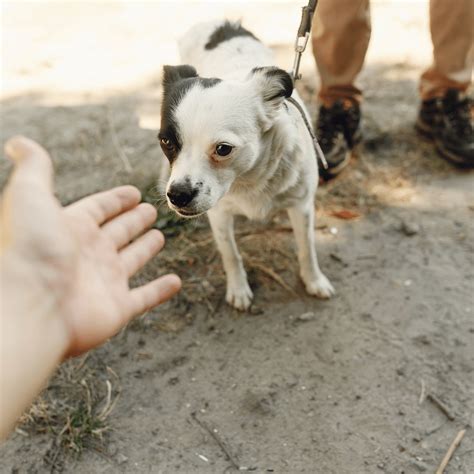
column 64, row 274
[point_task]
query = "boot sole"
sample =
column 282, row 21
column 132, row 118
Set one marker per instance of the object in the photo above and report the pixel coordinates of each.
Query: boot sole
column 454, row 159
column 328, row 175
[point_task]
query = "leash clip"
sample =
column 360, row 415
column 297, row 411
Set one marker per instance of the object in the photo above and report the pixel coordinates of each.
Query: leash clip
column 302, row 36
column 301, row 43
column 300, row 46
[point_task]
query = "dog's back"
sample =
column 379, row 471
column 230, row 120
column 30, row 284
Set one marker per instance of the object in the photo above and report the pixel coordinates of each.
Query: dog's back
column 223, row 49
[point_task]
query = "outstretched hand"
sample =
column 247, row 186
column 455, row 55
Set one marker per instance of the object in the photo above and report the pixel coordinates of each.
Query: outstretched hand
column 73, row 264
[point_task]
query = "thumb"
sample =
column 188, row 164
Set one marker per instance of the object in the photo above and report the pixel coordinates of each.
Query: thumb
column 32, row 162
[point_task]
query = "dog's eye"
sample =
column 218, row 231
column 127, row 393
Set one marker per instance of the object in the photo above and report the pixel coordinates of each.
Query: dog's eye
column 223, row 149
column 166, row 142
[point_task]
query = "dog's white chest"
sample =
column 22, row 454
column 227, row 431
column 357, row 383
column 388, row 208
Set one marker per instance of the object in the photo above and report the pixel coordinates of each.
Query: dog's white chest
column 253, row 207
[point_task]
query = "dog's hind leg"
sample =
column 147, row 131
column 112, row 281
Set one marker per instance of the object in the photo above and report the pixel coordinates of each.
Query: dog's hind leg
column 239, row 295
column 302, row 221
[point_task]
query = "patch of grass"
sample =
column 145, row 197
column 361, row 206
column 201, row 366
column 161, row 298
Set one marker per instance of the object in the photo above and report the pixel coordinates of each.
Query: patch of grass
column 169, row 222
column 74, row 410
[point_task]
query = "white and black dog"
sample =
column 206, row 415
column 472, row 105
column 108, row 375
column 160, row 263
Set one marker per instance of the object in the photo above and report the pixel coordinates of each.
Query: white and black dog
column 237, row 147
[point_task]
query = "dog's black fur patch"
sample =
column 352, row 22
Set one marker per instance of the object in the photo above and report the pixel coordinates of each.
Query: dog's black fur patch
column 174, row 73
column 226, row 32
column 283, row 78
column 177, row 81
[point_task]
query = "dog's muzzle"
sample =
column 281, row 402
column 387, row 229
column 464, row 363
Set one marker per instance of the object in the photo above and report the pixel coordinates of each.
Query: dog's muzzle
column 181, row 197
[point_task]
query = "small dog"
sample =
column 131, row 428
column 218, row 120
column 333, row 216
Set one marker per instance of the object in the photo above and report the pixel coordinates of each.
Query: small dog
column 236, row 146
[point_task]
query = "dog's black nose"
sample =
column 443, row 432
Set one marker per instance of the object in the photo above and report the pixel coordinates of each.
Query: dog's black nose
column 181, row 194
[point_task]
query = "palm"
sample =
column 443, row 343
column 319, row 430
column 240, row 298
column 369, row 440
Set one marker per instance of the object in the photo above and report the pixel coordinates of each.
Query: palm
column 98, row 299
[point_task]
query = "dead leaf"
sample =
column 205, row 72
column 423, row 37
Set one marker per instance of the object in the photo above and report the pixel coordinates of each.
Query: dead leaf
column 345, row 214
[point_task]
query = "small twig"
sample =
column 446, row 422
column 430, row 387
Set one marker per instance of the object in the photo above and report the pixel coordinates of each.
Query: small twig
column 194, row 245
column 423, row 392
column 109, row 369
column 89, row 397
column 121, row 153
column 245, row 234
column 217, row 439
column 450, row 452
column 338, row 259
column 103, row 414
column 82, row 362
column 52, row 462
column 436, row 401
column 273, row 275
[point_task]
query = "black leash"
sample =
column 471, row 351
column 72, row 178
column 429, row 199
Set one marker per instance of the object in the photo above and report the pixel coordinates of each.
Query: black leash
column 302, row 38
column 319, row 153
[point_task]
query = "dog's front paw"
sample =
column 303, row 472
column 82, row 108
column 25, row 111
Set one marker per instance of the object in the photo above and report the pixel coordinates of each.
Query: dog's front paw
column 320, row 287
column 240, row 297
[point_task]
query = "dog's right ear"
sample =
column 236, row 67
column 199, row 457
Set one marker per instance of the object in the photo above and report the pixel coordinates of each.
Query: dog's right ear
column 172, row 74
column 273, row 85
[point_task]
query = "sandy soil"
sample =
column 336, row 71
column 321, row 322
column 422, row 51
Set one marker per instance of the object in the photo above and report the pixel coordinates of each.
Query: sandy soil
column 296, row 385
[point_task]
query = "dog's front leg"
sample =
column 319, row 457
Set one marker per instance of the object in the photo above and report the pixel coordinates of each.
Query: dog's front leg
column 238, row 292
column 302, row 221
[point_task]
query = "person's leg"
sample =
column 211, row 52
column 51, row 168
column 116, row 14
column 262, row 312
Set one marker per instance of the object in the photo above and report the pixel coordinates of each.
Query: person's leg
column 340, row 38
column 451, row 24
column 445, row 113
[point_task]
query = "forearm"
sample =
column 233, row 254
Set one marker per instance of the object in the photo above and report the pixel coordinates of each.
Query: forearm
column 32, row 343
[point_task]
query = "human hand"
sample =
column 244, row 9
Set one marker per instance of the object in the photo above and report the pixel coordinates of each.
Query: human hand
column 72, row 264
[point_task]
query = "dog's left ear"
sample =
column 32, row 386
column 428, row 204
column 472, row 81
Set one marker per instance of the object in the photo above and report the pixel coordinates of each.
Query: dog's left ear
column 175, row 73
column 273, row 85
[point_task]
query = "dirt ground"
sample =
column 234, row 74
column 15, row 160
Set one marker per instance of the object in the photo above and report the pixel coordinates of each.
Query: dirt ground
column 378, row 379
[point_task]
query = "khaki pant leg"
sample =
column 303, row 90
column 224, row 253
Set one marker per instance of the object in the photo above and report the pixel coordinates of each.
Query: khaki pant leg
column 451, row 24
column 340, row 37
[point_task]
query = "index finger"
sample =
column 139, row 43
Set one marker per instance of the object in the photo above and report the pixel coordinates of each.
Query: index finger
column 107, row 204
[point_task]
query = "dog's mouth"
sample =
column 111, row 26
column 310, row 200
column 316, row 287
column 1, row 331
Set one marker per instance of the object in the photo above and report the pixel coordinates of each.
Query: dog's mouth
column 186, row 213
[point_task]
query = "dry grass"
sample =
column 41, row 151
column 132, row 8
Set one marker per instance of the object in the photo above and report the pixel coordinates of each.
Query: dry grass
column 73, row 411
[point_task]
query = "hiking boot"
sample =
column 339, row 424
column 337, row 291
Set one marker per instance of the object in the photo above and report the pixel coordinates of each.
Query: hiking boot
column 337, row 131
column 447, row 123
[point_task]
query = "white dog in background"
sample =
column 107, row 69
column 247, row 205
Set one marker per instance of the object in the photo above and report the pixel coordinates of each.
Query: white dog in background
column 237, row 147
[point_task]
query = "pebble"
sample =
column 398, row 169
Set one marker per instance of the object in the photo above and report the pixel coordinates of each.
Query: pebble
column 255, row 310
column 112, row 449
column 208, row 287
column 306, row 316
column 410, row 228
column 422, row 467
column 121, row 458
column 202, row 457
